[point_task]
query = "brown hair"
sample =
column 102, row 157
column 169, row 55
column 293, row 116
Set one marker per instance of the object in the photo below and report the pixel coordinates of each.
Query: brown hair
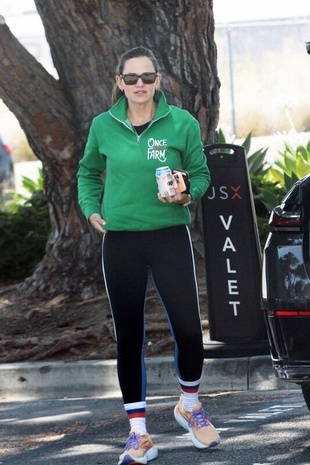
column 132, row 53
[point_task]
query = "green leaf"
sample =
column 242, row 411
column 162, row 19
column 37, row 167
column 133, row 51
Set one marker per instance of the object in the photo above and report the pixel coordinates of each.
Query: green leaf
column 247, row 143
column 288, row 148
column 276, row 174
column 269, row 199
column 290, row 180
column 289, row 162
column 304, row 152
column 302, row 166
column 256, row 162
column 221, row 137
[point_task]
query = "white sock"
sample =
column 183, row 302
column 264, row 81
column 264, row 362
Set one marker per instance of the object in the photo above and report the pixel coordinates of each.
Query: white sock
column 189, row 391
column 138, row 425
column 189, row 400
column 136, row 416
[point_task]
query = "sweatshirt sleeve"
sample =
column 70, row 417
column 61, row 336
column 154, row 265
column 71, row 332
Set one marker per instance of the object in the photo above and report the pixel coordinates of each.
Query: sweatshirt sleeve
column 195, row 161
column 90, row 175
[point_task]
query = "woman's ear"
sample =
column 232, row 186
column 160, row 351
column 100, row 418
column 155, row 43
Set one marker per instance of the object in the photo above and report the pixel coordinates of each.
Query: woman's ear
column 158, row 81
column 119, row 83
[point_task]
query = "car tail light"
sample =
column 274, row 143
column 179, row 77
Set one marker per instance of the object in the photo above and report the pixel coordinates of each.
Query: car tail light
column 283, row 220
column 292, row 312
column 7, row 149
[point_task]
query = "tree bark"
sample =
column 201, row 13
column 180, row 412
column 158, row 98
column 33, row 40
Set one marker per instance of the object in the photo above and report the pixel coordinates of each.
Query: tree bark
column 86, row 39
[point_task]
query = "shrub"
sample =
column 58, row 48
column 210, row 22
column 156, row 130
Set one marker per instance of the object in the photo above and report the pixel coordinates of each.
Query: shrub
column 23, row 235
column 290, row 164
column 266, row 195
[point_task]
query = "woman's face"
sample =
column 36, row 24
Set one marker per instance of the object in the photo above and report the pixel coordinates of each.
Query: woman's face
column 138, row 93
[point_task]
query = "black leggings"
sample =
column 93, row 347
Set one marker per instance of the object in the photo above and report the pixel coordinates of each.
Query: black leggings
column 128, row 260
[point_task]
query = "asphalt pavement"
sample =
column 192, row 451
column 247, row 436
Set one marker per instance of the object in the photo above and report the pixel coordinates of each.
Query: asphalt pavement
column 256, row 427
column 71, row 413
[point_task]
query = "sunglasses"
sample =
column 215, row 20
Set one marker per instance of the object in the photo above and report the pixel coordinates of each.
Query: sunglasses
column 132, row 78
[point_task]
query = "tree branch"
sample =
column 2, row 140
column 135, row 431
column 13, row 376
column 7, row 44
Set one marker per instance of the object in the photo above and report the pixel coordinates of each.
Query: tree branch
column 34, row 96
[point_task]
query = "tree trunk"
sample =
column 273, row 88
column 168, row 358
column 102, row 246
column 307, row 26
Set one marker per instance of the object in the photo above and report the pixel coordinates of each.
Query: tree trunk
column 86, row 39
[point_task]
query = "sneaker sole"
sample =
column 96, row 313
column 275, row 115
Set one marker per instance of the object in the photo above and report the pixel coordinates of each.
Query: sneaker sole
column 184, row 423
column 151, row 454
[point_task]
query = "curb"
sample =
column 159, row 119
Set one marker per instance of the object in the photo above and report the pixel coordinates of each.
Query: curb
column 96, row 378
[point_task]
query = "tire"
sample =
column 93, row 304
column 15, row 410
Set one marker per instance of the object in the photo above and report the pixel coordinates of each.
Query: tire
column 306, row 393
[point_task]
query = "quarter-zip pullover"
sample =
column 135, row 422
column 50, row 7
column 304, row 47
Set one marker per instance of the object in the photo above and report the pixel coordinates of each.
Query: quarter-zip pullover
column 116, row 176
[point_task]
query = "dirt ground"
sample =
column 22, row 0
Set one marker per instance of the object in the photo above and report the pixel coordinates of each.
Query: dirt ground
column 70, row 330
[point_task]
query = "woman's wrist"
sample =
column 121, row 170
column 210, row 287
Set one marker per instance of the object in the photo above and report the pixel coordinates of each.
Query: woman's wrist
column 188, row 201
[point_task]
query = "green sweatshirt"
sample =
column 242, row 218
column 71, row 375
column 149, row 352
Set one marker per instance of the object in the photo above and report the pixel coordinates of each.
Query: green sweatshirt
column 126, row 197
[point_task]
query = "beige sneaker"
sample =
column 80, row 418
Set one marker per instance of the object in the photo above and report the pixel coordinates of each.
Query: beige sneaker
column 139, row 449
column 203, row 434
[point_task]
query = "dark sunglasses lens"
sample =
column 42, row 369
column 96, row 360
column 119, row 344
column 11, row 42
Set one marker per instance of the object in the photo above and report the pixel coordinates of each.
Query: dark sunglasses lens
column 131, row 79
column 148, row 78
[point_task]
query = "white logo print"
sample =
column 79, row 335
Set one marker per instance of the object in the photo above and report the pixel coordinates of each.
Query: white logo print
column 157, row 149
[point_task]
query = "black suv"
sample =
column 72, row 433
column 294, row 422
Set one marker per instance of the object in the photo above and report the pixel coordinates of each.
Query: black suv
column 286, row 286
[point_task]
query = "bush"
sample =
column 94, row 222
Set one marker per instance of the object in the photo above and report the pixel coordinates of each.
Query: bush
column 290, row 164
column 266, row 196
column 23, row 235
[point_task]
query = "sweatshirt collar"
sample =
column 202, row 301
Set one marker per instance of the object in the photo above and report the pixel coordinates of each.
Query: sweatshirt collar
column 119, row 109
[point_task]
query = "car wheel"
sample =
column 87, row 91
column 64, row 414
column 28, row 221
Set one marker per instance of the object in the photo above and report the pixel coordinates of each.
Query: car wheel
column 306, row 393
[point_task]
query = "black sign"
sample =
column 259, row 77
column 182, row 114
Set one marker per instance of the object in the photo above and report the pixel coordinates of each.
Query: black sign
column 232, row 250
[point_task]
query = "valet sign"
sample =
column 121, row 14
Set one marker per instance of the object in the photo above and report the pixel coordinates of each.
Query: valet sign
column 232, row 250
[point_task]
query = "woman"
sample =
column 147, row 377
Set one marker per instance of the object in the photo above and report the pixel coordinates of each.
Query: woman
column 145, row 235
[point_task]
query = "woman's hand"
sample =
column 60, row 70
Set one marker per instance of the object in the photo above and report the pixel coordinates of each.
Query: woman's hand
column 97, row 222
column 179, row 198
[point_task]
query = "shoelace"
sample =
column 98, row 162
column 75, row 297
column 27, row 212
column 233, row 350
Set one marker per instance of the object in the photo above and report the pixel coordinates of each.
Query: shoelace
column 199, row 418
column 133, row 441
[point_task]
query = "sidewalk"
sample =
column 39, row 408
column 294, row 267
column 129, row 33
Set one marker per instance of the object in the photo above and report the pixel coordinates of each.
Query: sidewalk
column 95, row 378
